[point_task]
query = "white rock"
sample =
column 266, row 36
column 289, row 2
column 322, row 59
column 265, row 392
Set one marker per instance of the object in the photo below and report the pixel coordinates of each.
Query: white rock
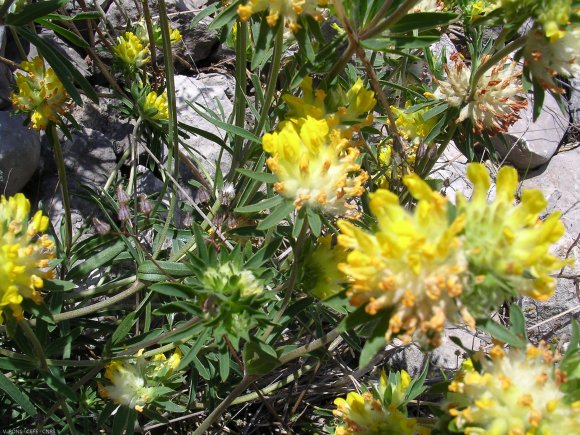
column 19, row 152
column 206, row 91
column 530, row 144
column 560, row 182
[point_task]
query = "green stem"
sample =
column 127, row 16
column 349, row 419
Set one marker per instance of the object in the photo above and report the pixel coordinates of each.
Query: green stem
column 273, row 79
column 218, row 411
column 61, row 169
column 239, row 98
column 390, row 20
column 36, row 346
column 494, row 59
column 307, row 348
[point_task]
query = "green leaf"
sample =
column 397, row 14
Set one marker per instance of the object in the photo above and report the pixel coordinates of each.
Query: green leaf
column 17, row 395
column 174, row 289
column 96, row 261
column 123, row 328
column 356, row 318
column 574, row 340
column 205, row 12
column 264, row 177
column 124, row 421
column 262, row 205
column 206, row 134
column 416, row 388
column 90, row 15
column 55, row 380
column 32, row 11
column 501, row 333
column 192, row 353
column 422, row 21
column 259, row 358
column 225, row 16
column 65, row 33
column 65, row 71
column 277, row 215
column 314, row 222
column 518, row 321
column 374, row 343
column 232, row 129
column 263, row 46
column 298, row 224
column 57, row 285
column 162, row 270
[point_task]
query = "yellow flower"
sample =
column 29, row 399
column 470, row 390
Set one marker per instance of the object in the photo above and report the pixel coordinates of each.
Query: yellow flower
column 131, row 50
column 40, row 93
column 162, row 368
column 24, row 255
column 155, row 107
column 506, row 242
column 313, row 163
column 516, row 393
column 322, row 278
column 290, row 10
column 411, row 125
column 413, row 263
column 364, row 414
column 347, row 112
column 480, row 8
column 143, row 35
column 497, row 99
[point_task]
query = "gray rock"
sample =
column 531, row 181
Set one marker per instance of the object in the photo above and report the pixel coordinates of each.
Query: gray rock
column 19, row 152
column 206, row 91
column 530, row 144
column 451, row 167
column 560, row 182
column 67, row 51
column 447, row 357
column 191, row 5
column 574, row 103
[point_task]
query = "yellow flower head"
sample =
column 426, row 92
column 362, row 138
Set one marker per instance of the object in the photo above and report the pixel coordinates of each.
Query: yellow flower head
column 138, row 382
column 24, row 254
column 131, row 50
column 361, row 413
column 507, row 242
column 155, row 107
column 516, row 393
column 313, row 164
column 347, row 112
column 143, row 35
column 40, row 93
column 497, row 99
column 412, row 264
column 289, row 10
column 322, row 279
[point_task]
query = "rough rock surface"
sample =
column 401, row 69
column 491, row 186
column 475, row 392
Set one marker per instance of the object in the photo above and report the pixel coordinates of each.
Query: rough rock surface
column 19, row 152
column 206, row 91
column 560, row 182
column 528, row 143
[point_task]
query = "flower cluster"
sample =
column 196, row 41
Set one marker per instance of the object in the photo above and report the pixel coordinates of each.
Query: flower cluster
column 321, row 277
column 346, row 111
column 413, row 263
column 137, row 382
column 519, row 392
column 228, row 279
column 290, row 10
column 313, row 163
column 155, row 107
column 24, row 255
column 429, row 269
column 131, row 50
column 544, row 59
column 496, row 100
column 379, row 411
column 142, row 33
column 41, row 93
column 507, row 244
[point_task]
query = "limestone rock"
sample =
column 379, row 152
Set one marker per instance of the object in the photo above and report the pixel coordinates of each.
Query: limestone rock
column 530, row 144
column 19, row 152
column 206, row 91
column 560, row 182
